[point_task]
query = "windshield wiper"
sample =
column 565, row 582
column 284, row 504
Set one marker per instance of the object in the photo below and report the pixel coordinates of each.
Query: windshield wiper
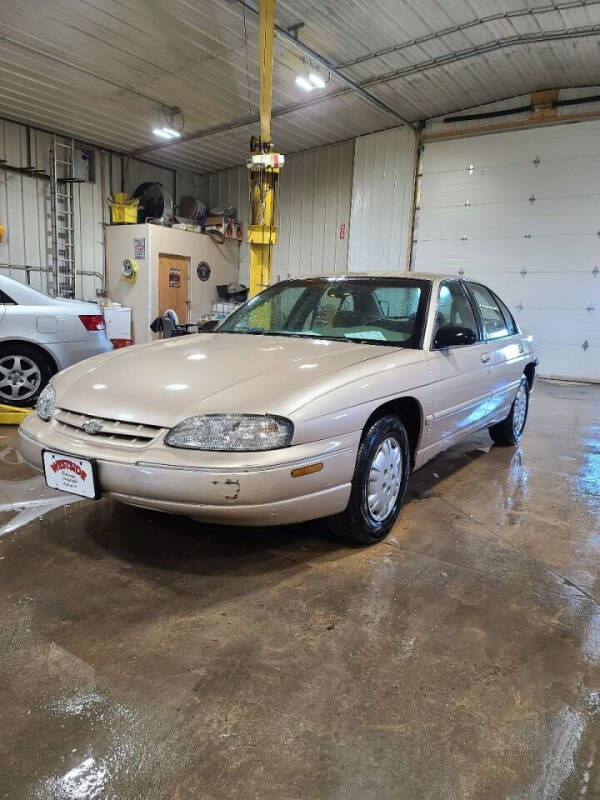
column 256, row 330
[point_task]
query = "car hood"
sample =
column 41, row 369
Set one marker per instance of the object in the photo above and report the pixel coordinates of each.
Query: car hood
column 163, row 382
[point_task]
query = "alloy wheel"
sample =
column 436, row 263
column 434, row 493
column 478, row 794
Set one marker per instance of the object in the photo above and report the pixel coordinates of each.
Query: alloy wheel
column 20, row 378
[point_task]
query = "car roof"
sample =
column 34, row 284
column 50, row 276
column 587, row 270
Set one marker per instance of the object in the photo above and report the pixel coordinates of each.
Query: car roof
column 23, row 294
column 417, row 276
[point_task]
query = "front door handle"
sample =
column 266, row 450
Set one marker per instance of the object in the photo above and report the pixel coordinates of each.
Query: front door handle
column 485, row 357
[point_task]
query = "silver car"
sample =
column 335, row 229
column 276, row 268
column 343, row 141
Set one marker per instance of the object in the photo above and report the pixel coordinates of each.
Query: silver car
column 41, row 335
column 317, row 398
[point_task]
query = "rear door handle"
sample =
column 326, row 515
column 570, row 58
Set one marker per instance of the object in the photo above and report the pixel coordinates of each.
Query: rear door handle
column 485, row 357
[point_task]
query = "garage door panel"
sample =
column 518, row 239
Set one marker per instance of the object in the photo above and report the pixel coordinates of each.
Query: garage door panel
column 538, row 290
column 573, row 326
column 556, row 142
column 569, row 362
column 575, row 253
column 520, row 219
column 509, row 183
column 533, row 296
column 539, row 255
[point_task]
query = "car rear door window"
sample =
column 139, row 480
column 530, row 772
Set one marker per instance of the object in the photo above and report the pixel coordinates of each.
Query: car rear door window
column 508, row 317
column 494, row 324
column 6, row 300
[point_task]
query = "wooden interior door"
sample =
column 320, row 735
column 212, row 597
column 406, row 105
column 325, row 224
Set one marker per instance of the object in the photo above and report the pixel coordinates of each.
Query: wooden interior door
column 174, row 285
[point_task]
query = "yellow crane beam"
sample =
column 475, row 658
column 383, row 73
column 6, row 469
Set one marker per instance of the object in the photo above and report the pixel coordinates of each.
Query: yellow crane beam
column 263, row 164
column 266, row 34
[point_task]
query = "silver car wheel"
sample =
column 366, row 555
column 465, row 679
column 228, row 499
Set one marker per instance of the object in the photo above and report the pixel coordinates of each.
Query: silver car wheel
column 20, row 378
column 520, row 411
column 385, row 478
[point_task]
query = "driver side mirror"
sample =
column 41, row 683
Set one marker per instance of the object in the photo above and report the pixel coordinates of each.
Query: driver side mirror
column 453, row 335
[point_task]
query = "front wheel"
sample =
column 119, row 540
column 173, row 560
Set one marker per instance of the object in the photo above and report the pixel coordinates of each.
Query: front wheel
column 510, row 430
column 378, row 485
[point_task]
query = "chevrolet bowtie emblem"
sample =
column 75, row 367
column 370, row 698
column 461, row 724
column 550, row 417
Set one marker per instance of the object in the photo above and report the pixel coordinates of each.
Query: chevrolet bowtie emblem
column 92, row 426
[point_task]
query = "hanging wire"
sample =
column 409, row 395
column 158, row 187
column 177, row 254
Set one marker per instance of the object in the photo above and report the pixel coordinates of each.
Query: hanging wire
column 247, row 60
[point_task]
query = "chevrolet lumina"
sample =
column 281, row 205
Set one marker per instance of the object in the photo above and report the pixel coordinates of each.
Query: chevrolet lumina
column 316, row 398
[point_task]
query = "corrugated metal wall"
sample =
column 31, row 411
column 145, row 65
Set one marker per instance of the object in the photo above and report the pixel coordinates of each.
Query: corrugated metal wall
column 314, row 212
column 137, row 172
column 24, row 206
column 230, row 187
column 314, row 201
column 342, row 206
column 382, row 192
column 26, row 249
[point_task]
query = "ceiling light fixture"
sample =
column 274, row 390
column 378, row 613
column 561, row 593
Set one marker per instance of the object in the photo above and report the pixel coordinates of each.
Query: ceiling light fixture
column 170, row 123
column 310, row 80
column 162, row 133
column 304, row 83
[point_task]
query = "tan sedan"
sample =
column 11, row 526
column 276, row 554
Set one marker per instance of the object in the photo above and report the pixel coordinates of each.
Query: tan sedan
column 317, row 398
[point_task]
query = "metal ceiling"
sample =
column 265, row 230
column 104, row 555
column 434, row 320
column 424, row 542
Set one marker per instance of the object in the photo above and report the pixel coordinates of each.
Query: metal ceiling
column 101, row 70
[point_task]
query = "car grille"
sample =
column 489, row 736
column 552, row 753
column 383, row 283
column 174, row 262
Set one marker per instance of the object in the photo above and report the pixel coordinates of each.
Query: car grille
column 113, row 431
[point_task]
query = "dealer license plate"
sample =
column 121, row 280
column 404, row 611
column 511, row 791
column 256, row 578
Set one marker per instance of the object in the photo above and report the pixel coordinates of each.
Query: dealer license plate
column 71, row 474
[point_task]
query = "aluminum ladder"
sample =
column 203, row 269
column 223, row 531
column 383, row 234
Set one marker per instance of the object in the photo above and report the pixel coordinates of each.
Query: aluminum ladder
column 62, row 178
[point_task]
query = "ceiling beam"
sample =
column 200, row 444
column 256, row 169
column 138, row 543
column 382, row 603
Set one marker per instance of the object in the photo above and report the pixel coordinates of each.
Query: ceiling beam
column 484, row 49
column 450, row 58
column 465, row 26
column 317, row 58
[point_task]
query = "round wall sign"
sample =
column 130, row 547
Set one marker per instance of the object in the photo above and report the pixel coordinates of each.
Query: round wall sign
column 203, row 270
column 130, row 270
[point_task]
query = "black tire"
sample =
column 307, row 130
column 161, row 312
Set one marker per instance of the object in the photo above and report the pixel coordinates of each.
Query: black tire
column 510, row 430
column 34, row 368
column 358, row 523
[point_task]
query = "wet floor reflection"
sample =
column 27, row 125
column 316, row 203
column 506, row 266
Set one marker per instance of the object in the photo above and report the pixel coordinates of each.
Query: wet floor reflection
column 24, row 496
column 144, row 655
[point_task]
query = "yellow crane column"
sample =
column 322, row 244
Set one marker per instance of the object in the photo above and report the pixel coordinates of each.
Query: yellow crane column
column 264, row 165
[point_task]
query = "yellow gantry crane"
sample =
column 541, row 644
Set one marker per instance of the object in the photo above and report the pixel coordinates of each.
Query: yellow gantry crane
column 263, row 163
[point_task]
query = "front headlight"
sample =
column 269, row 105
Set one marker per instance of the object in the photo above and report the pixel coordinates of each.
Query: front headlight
column 232, row 432
column 46, row 403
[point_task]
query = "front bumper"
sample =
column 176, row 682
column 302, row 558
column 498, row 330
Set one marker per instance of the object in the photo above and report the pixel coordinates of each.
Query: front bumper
column 257, row 489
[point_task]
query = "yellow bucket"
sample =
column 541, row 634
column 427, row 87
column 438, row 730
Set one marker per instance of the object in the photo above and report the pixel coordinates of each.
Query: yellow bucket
column 11, row 415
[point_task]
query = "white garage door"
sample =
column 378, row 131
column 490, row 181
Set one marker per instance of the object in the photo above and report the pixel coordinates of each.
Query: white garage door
column 520, row 211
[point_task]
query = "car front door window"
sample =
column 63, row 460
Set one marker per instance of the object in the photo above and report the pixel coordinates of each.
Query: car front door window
column 460, row 373
column 454, row 308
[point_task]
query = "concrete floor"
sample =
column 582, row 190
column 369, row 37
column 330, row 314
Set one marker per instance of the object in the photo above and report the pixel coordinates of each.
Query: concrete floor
column 145, row 656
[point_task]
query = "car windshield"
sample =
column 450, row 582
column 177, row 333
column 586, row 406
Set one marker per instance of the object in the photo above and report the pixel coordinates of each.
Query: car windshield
column 368, row 310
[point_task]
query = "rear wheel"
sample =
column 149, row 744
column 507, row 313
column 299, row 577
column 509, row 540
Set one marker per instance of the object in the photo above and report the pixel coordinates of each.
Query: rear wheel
column 510, row 430
column 378, row 485
column 24, row 372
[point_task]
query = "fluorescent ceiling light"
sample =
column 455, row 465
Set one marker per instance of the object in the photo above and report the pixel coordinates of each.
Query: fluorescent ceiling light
column 316, row 80
column 172, row 133
column 304, row 83
column 162, row 133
